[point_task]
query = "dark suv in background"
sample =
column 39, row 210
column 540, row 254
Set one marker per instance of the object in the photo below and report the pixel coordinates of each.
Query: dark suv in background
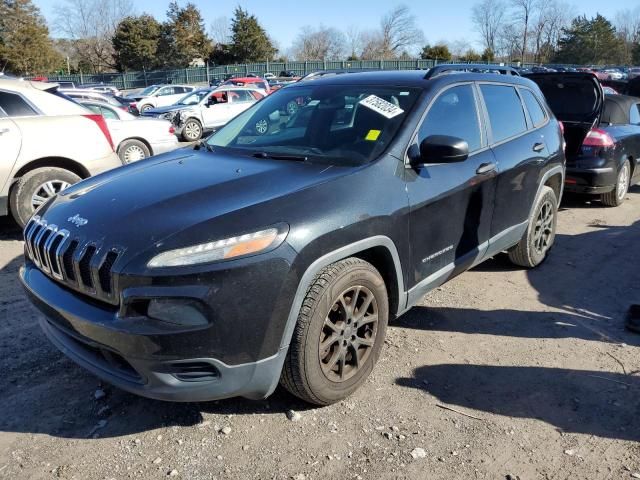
column 219, row 271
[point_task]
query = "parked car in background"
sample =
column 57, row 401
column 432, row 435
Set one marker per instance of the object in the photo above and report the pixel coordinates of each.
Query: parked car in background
column 66, row 84
column 207, row 109
column 602, row 134
column 269, row 76
column 159, row 96
column 257, row 259
column 287, row 74
column 609, row 90
column 135, row 138
column 633, row 73
column 252, row 82
column 122, row 103
column 613, row 74
column 47, row 143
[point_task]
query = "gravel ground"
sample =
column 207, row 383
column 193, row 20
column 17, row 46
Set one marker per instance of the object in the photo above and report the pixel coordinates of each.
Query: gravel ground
column 501, row 373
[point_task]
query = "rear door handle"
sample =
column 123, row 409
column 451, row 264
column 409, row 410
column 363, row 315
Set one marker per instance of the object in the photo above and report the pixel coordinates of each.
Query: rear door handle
column 538, row 147
column 486, row 168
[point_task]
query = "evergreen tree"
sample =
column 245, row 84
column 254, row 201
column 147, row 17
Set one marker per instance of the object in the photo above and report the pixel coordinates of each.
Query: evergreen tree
column 249, row 42
column 436, row 52
column 25, row 46
column 589, row 41
column 183, row 37
column 136, row 43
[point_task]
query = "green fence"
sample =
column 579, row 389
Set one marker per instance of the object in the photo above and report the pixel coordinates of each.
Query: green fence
column 132, row 80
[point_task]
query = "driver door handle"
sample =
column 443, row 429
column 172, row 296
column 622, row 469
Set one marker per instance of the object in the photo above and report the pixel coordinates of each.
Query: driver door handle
column 485, row 168
column 538, row 147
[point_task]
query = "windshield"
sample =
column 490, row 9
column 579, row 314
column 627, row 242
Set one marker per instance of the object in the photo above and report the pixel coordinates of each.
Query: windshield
column 193, row 98
column 336, row 124
column 148, row 91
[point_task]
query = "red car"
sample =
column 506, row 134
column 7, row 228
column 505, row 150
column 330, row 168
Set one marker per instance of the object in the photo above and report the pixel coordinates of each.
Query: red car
column 255, row 82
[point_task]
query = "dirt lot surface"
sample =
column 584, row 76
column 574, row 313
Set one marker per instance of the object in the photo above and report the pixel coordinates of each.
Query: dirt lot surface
column 501, row 373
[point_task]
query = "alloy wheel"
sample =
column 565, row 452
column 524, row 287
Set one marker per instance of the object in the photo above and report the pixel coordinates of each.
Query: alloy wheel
column 133, row 154
column 623, row 181
column 192, row 131
column 46, row 191
column 543, row 232
column 348, row 334
column 262, row 126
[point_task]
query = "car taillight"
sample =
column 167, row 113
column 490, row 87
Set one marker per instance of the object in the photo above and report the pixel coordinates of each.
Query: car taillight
column 172, row 130
column 99, row 119
column 564, row 141
column 598, row 138
column 561, row 127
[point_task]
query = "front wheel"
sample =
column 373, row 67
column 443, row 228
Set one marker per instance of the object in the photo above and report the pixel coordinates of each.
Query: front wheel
column 618, row 194
column 192, row 130
column 133, row 150
column 538, row 239
column 145, row 108
column 340, row 332
column 35, row 188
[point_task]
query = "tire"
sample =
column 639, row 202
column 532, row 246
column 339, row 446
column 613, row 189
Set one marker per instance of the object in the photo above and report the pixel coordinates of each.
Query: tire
column 538, row 239
column 261, row 127
column 145, row 108
column 45, row 182
column 192, row 130
column 133, row 150
column 617, row 196
column 309, row 370
column 292, row 107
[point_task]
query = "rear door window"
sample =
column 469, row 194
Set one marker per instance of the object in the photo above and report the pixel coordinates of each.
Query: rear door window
column 15, row 106
column 454, row 113
column 538, row 117
column 504, row 107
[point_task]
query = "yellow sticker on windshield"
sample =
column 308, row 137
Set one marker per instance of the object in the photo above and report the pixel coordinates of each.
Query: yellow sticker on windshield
column 373, row 135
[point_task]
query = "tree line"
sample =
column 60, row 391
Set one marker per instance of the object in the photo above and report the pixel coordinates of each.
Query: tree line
column 95, row 36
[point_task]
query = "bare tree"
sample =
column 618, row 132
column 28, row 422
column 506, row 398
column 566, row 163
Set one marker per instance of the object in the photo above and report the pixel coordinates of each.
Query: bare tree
column 372, row 48
column 320, row 43
column 523, row 10
column 354, row 41
column 399, row 32
column 91, row 24
column 627, row 23
column 220, row 31
column 459, row 47
column 508, row 42
column 488, row 19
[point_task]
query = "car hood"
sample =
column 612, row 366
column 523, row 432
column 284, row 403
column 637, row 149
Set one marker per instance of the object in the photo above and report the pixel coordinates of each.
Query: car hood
column 139, row 205
column 574, row 97
column 168, row 108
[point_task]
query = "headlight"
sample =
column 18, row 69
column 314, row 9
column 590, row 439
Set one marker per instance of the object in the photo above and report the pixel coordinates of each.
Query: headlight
column 219, row 250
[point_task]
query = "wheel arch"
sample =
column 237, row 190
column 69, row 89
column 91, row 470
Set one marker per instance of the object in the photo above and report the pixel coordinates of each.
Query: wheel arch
column 59, row 162
column 379, row 250
column 139, row 139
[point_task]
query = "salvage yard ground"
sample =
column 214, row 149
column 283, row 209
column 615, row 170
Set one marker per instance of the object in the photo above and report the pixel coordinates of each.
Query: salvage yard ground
column 502, row 372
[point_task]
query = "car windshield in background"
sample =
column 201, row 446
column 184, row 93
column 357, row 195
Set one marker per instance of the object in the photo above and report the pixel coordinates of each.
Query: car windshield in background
column 335, row 124
column 194, row 98
column 148, row 91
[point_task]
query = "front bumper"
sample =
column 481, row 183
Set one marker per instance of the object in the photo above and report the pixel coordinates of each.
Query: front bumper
column 590, row 180
column 93, row 336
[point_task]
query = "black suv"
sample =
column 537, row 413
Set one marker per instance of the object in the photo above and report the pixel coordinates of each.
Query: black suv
column 219, row 271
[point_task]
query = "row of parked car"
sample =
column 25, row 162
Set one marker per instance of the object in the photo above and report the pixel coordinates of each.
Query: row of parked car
column 279, row 256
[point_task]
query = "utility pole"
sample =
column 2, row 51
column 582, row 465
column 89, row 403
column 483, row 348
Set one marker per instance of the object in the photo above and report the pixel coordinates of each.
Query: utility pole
column 68, row 66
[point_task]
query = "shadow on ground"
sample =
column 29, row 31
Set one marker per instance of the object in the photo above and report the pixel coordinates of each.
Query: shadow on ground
column 576, row 401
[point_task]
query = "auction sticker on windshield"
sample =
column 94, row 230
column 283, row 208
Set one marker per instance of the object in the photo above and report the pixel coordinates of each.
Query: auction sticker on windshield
column 381, row 106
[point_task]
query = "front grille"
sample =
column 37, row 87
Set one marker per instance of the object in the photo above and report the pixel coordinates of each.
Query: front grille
column 79, row 263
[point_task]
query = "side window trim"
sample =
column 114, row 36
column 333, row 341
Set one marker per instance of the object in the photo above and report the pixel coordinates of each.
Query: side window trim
column 532, row 126
column 483, row 140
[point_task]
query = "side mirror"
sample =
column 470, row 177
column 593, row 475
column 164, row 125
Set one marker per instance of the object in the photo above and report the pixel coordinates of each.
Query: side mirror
column 440, row 149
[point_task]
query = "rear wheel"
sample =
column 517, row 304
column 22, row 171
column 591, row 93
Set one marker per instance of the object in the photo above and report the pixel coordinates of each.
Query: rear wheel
column 145, row 108
column 339, row 334
column 133, row 150
column 538, row 239
column 262, row 126
column 618, row 194
column 35, row 188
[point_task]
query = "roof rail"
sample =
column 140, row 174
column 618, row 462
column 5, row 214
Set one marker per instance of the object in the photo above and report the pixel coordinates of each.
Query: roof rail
column 469, row 67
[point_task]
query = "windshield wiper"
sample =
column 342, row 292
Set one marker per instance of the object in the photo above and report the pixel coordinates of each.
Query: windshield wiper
column 203, row 144
column 278, row 156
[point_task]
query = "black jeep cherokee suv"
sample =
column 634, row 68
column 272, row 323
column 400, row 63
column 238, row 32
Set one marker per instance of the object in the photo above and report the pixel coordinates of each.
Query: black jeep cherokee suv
column 253, row 259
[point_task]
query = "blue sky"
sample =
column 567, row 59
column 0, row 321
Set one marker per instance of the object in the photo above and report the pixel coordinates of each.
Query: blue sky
column 440, row 20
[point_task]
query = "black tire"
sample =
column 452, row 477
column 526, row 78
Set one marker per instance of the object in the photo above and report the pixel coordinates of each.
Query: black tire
column 23, row 191
column 538, row 239
column 132, row 150
column 145, row 108
column 305, row 373
column 617, row 196
column 192, row 130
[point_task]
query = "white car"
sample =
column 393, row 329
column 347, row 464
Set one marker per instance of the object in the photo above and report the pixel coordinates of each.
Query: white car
column 135, row 138
column 81, row 95
column 160, row 96
column 47, row 143
column 207, row 109
column 613, row 74
column 269, row 76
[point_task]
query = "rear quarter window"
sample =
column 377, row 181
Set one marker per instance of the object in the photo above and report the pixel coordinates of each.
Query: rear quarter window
column 15, row 106
column 504, row 107
column 536, row 112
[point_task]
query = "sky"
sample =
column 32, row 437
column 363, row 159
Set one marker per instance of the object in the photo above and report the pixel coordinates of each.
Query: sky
column 440, row 20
